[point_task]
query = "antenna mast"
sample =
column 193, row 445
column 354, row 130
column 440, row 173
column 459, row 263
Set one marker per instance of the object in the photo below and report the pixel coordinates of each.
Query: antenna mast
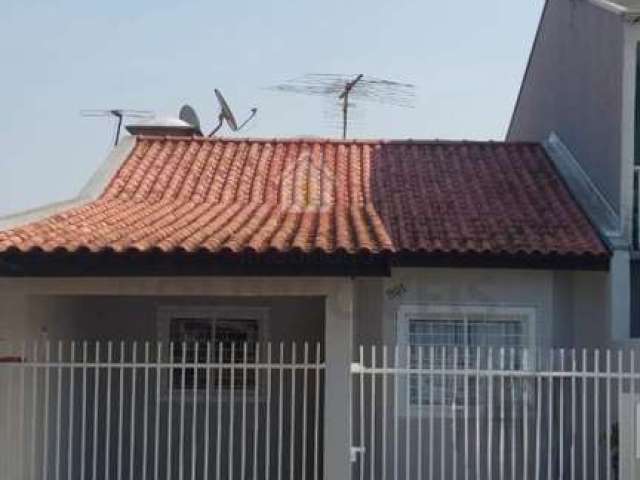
column 119, row 114
column 344, row 96
column 343, row 88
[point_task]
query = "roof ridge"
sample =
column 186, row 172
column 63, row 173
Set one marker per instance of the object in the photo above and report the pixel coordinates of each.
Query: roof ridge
column 360, row 141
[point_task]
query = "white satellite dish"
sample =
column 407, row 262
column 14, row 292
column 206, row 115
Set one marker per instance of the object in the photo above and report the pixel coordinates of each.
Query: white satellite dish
column 226, row 115
column 189, row 115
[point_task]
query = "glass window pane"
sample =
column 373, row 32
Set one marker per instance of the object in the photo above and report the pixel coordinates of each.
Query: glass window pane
column 483, row 330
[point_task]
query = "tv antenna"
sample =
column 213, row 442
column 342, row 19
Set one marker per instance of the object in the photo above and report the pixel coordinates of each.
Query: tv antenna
column 345, row 87
column 119, row 114
column 226, row 115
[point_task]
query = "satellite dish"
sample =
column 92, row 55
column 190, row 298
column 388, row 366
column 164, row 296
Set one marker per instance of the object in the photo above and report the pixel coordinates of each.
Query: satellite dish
column 225, row 111
column 226, row 115
column 189, row 115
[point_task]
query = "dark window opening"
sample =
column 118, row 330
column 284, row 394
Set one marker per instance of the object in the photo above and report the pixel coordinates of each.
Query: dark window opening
column 231, row 340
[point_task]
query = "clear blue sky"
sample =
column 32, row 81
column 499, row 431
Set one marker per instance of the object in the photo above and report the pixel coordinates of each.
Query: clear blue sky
column 466, row 59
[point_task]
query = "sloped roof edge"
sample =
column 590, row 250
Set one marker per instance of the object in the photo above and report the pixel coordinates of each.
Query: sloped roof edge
column 94, row 187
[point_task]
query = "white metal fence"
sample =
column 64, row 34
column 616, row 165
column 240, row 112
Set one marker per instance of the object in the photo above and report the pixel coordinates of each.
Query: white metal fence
column 456, row 413
column 80, row 410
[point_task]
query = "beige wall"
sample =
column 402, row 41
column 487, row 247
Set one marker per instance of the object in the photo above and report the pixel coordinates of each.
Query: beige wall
column 472, row 287
column 570, row 307
column 135, row 317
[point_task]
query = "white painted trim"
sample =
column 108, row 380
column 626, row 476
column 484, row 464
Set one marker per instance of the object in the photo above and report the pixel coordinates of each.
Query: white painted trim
column 90, row 192
column 406, row 310
column 587, row 194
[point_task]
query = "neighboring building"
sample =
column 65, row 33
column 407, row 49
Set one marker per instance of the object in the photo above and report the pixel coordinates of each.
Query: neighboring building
column 579, row 93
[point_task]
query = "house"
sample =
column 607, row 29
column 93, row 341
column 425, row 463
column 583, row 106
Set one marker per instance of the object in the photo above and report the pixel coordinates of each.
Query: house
column 341, row 243
column 306, row 308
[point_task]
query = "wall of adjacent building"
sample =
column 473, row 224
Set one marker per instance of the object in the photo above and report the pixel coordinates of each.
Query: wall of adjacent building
column 574, row 87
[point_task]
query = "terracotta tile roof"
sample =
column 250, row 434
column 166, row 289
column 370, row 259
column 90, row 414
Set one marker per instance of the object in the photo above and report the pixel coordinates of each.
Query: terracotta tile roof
column 314, row 195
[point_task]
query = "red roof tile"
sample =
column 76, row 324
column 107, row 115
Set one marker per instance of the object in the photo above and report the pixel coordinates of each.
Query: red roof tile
column 317, row 195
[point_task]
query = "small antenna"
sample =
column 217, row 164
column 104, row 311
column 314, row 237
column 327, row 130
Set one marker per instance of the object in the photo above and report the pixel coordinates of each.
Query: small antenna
column 118, row 113
column 344, row 87
column 226, row 115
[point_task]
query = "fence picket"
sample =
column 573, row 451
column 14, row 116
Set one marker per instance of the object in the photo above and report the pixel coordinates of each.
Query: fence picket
column 145, row 415
column 83, row 432
column 156, row 439
column 454, row 412
column 584, row 414
column 292, row 416
column 574, row 369
column 256, row 423
column 120, row 412
column 209, row 359
column 194, row 417
column 596, row 416
column 607, row 423
column 407, row 423
column 132, row 415
column 561, row 416
column 372, row 442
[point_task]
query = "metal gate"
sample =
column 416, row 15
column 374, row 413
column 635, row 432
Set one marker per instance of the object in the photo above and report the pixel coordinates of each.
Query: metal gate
column 161, row 411
column 462, row 413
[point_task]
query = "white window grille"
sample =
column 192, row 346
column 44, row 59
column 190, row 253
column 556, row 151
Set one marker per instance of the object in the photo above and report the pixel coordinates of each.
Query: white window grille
column 456, row 333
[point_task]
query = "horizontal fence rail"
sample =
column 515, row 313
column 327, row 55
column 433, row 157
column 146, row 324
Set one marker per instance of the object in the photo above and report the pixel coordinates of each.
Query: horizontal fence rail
column 130, row 410
column 480, row 413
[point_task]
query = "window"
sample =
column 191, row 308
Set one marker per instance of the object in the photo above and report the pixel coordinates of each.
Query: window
column 465, row 327
column 227, row 330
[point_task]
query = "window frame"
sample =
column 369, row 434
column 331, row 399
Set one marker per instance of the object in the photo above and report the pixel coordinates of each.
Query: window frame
column 166, row 314
column 407, row 312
